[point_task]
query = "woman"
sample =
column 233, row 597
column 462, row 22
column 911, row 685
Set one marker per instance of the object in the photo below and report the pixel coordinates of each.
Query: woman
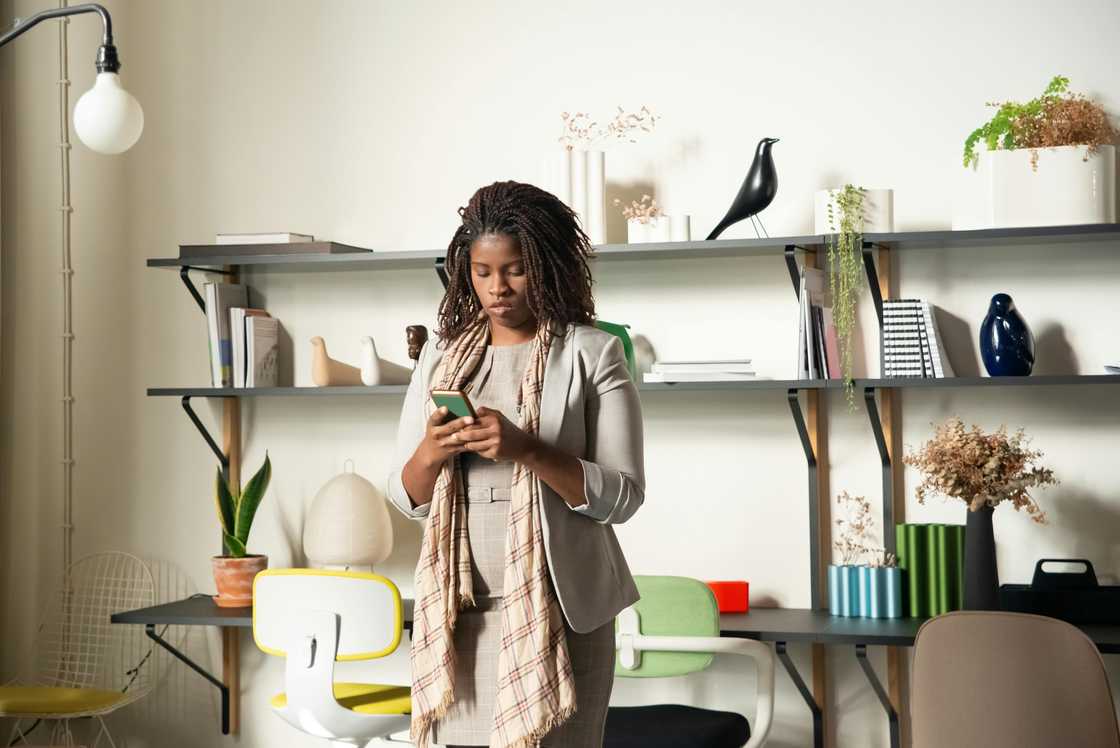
column 520, row 575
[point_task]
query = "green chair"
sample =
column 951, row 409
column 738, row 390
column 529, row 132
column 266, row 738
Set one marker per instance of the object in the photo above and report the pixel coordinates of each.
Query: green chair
column 674, row 630
column 627, row 344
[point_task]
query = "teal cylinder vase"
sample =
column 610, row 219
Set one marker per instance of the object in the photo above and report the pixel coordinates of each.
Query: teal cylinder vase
column 834, row 573
column 886, row 592
column 865, row 577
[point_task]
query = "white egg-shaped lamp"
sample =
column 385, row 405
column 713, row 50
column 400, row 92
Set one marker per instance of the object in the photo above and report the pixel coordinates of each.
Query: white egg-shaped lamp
column 348, row 524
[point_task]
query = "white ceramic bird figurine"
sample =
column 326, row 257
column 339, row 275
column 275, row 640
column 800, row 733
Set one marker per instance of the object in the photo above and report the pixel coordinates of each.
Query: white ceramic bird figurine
column 376, row 370
column 326, row 372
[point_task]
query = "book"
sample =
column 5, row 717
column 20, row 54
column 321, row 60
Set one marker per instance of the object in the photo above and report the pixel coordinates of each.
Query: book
column 262, row 351
column 696, row 376
column 280, row 237
column 940, row 358
column 220, row 298
column 802, row 372
column 237, row 317
column 831, row 344
column 193, row 251
column 813, row 291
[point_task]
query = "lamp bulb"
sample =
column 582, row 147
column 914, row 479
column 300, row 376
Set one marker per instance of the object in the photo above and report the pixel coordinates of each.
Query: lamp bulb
column 107, row 118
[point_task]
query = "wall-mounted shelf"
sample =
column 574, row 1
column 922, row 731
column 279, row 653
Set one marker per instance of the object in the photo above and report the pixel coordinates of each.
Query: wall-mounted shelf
column 881, row 397
column 761, row 384
column 424, row 259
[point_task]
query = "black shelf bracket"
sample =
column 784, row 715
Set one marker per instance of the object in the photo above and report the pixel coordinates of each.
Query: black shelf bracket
column 814, row 515
column 794, row 271
column 885, row 463
column 184, row 275
column 441, row 271
column 198, row 424
column 892, row 715
column 806, row 694
column 150, row 630
column 873, row 279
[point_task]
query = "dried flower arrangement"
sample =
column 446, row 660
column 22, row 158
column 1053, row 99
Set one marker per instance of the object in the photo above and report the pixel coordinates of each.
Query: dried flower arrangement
column 980, row 469
column 854, row 543
column 580, row 129
column 642, row 211
column 1055, row 118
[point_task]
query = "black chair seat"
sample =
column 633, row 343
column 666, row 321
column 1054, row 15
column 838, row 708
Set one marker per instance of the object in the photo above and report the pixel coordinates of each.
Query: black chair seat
column 674, row 726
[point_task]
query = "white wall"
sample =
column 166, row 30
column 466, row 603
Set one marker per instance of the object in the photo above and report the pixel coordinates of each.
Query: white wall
column 370, row 123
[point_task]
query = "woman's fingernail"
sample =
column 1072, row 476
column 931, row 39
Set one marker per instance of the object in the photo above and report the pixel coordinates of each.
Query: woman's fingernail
column 468, row 420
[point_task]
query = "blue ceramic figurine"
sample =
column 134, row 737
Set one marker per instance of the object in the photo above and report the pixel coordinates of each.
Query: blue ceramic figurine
column 1006, row 343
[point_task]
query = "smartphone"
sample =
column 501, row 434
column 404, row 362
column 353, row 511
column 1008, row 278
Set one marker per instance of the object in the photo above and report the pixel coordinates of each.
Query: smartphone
column 456, row 402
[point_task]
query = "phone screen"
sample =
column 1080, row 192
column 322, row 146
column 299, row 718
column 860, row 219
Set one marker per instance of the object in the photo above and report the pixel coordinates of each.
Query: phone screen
column 456, row 403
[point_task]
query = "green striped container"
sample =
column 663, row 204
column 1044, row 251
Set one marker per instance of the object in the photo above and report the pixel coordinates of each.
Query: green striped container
column 932, row 559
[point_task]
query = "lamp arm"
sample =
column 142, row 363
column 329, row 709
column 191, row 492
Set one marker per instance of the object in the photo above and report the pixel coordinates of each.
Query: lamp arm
column 107, row 61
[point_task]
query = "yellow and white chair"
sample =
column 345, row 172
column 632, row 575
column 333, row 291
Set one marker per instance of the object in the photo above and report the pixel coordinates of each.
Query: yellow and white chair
column 314, row 618
column 85, row 665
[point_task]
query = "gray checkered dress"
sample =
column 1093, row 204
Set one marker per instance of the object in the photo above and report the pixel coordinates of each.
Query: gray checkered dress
column 478, row 630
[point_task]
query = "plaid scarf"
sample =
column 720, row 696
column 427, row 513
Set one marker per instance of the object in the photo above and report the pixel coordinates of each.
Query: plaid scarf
column 536, row 689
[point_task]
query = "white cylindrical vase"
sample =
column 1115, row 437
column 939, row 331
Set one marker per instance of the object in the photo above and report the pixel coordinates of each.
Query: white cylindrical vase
column 680, row 227
column 556, row 174
column 878, row 212
column 660, row 229
column 579, row 186
column 596, row 223
column 636, row 231
column 1052, row 186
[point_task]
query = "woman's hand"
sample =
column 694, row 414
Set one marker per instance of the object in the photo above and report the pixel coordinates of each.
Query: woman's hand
column 442, row 440
column 496, row 437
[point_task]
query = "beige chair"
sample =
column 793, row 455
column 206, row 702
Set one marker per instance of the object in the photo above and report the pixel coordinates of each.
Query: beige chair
column 1011, row 680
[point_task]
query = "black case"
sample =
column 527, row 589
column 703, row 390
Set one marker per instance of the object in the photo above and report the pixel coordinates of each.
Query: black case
column 1071, row 596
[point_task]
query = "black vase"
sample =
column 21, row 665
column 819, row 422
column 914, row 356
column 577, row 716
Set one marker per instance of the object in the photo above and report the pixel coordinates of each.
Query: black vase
column 981, row 578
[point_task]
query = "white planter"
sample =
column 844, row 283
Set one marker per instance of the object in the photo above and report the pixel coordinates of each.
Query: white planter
column 878, row 212
column 654, row 230
column 680, row 227
column 1051, row 186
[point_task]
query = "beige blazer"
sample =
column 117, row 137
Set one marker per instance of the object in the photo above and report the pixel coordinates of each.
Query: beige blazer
column 589, row 409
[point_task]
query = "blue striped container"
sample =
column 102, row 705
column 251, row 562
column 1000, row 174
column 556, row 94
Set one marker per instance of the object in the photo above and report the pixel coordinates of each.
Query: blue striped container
column 866, row 592
column 843, row 591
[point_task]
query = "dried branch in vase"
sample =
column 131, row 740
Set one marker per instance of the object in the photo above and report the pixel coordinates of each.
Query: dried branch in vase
column 580, row 130
column 855, row 542
column 980, row 469
column 642, row 211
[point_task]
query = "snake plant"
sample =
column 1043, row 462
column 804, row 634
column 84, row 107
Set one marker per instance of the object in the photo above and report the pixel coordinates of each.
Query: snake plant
column 236, row 509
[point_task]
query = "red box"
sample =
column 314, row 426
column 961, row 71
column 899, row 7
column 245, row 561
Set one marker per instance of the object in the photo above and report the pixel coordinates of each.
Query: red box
column 732, row 597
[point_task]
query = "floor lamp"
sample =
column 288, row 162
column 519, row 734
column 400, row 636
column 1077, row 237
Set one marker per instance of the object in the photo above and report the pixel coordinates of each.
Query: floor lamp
column 108, row 119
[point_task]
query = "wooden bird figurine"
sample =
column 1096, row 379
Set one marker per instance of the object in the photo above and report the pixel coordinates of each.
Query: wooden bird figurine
column 417, row 336
column 757, row 192
column 326, row 372
column 376, row 370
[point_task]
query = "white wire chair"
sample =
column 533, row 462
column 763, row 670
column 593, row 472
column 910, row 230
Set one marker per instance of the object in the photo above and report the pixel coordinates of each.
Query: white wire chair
column 85, row 665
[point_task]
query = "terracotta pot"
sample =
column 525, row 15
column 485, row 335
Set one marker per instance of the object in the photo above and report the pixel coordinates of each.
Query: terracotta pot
column 234, row 579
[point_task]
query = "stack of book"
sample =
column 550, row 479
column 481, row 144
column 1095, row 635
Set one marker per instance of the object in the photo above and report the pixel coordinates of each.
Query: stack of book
column 910, row 343
column 818, row 352
column 243, row 341
column 726, row 370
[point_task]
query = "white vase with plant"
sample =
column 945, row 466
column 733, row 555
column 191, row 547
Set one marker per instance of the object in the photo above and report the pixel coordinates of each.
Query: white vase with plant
column 1050, row 161
column 578, row 176
column 645, row 221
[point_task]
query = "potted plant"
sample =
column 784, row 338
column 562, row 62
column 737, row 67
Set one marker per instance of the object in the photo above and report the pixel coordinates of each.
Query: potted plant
column 867, row 582
column 846, row 214
column 1049, row 161
column 645, row 221
column 234, row 571
column 984, row 471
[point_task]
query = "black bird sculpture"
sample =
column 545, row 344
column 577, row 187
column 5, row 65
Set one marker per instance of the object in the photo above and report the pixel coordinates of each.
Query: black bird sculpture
column 757, row 192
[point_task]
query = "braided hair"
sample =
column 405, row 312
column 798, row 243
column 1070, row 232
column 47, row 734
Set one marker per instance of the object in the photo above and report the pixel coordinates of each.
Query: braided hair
column 554, row 250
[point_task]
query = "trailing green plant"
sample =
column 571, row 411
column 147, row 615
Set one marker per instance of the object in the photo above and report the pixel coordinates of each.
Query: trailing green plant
column 1056, row 118
column 845, row 277
column 236, row 509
